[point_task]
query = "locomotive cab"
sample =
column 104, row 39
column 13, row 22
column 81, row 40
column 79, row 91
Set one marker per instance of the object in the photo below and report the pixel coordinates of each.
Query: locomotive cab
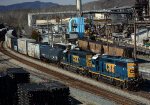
column 132, row 69
column 120, row 71
column 95, row 63
column 134, row 79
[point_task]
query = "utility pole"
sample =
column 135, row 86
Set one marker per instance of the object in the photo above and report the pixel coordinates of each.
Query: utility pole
column 52, row 39
column 106, row 31
column 61, row 32
column 79, row 7
column 48, row 30
column 148, row 7
column 135, row 27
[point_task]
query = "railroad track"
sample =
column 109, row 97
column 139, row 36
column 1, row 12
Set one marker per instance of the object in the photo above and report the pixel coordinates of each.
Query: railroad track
column 74, row 82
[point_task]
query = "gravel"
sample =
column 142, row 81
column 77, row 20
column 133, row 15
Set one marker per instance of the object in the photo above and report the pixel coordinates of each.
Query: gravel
column 88, row 98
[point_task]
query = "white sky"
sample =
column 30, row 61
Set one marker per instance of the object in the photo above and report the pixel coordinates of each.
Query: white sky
column 64, row 2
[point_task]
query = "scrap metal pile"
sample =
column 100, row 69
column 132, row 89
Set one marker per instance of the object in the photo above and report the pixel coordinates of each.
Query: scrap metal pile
column 16, row 89
column 43, row 94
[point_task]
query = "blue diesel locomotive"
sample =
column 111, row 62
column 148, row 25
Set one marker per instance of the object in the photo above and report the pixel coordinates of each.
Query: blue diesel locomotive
column 118, row 71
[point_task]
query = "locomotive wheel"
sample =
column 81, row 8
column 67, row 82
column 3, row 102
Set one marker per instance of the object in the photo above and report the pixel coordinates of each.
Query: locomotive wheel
column 92, row 76
column 128, row 87
column 80, row 72
column 62, row 66
column 84, row 73
column 77, row 71
column 95, row 76
column 89, row 74
column 66, row 67
column 98, row 78
column 122, row 85
column 114, row 82
column 58, row 63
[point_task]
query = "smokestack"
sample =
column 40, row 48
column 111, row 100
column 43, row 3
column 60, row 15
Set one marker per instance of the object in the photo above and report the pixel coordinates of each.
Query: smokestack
column 79, row 7
column 149, row 7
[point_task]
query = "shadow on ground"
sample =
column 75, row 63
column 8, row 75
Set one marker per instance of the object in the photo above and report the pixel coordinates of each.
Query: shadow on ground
column 145, row 86
column 3, row 60
column 75, row 101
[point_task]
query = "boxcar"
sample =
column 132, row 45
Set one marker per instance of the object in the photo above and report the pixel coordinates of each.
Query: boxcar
column 22, row 45
column 11, row 42
column 34, row 50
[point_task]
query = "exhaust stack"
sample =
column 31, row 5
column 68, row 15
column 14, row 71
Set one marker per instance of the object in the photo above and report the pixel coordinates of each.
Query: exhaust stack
column 79, row 7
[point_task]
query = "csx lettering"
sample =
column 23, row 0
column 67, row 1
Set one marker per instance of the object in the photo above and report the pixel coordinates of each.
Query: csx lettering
column 89, row 63
column 76, row 59
column 110, row 68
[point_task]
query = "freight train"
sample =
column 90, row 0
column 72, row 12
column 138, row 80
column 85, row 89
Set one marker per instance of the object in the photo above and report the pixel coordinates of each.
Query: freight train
column 119, row 71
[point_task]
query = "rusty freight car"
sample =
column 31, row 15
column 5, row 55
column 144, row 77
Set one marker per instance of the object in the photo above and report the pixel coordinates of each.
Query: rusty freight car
column 103, row 48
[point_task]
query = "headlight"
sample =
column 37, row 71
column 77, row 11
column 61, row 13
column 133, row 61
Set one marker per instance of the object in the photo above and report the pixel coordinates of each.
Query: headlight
column 43, row 55
column 133, row 67
column 55, row 57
